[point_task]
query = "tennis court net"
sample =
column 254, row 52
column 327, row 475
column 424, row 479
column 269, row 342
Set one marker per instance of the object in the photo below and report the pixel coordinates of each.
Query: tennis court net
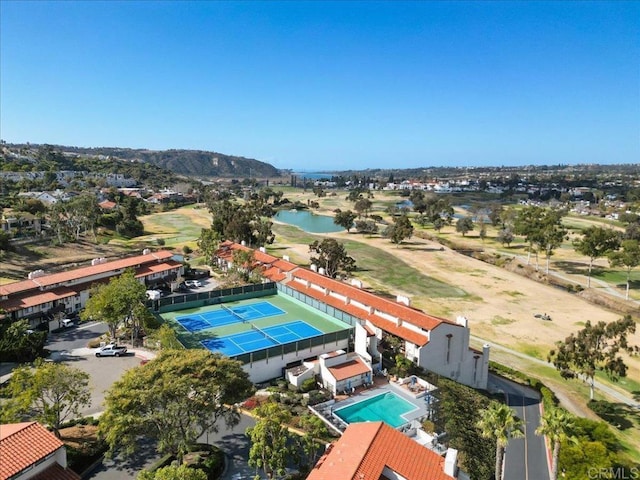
column 231, row 312
column 265, row 334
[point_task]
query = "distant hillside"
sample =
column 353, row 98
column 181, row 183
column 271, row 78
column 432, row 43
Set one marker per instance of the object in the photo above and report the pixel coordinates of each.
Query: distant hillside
column 187, row 162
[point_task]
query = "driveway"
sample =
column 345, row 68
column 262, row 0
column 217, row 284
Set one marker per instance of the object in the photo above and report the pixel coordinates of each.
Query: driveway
column 233, row 442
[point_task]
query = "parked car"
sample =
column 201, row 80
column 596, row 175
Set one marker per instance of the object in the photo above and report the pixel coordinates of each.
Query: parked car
column 111, row 350
column 67, row 322
column 193, row 283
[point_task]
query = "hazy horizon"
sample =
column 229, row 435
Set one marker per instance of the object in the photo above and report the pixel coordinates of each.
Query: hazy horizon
column 332, row 85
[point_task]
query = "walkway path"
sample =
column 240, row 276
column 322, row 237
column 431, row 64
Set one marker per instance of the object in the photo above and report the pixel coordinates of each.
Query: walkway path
column 615, row 394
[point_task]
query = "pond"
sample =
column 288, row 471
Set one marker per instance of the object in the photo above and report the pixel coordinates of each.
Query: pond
column 308, row 221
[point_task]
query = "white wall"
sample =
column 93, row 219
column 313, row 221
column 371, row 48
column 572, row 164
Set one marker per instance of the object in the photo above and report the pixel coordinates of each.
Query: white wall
column 461, row 363
column 264, row 370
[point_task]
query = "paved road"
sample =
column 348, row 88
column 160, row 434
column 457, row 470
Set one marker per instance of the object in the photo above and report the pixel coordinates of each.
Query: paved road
column 525, row 458
column 74, row 337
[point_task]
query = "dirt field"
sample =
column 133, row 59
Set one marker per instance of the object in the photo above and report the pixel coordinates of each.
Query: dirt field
column 501, row 306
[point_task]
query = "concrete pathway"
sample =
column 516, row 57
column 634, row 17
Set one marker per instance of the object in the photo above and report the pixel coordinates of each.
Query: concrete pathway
column 613, row 393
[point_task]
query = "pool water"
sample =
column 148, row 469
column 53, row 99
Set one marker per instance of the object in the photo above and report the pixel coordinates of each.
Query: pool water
column 387, row 407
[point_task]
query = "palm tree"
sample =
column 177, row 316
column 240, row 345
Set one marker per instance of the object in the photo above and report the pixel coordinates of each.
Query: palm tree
column 500, row 422
column 556, row 423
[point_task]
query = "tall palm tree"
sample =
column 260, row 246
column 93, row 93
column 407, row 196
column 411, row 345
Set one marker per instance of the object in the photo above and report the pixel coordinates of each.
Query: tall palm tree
column 556, row 424
column 498, row 421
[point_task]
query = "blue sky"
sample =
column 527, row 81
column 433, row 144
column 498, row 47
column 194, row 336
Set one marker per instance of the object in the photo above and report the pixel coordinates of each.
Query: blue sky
column 328, row 85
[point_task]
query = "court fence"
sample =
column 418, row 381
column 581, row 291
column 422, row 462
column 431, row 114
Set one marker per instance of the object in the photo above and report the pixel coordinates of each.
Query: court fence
column 213, row 297
column 318, row 305
column 305, row 344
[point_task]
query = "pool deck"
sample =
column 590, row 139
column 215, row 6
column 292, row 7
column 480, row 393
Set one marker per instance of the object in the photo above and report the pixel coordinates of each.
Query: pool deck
column 380, row 386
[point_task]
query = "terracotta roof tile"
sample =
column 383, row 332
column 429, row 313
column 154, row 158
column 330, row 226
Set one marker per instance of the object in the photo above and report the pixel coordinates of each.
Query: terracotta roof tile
column 387, row 325
column 365, row 449
column 418, row 318
column 78, row 273
column 350, row 369
column 23, row 444
column 56, row 472
column 29, row 299
column 107, row 204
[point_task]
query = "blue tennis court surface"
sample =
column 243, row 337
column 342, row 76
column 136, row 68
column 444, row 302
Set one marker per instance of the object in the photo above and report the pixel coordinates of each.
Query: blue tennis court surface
column 254, row 340
column 196, row 322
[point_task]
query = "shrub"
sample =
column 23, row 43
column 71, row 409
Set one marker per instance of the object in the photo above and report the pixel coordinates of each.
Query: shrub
column 186, row 250
column 602, row 408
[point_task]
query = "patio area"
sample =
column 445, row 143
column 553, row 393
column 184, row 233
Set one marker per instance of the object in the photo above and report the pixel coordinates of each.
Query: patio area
column 419, row 413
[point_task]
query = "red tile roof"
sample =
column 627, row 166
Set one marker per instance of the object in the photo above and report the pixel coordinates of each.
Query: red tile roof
column 107, row 204
column 23, row 444
column 365, row 449
column 406, row 314
column 387, row 325
column 273, row 268
column 350, row 369
column 31, row 299
column 56, row 472
column 78, row 273
column 416, row 317
column 157, row 268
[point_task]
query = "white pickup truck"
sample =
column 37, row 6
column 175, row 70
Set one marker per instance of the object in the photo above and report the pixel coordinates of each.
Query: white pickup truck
column 111, row 350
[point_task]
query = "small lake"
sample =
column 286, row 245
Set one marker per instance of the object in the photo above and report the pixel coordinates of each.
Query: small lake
column 308, row 221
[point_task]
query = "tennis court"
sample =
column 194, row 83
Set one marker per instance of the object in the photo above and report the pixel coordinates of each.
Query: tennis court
column 258, row 339
column 226, row 316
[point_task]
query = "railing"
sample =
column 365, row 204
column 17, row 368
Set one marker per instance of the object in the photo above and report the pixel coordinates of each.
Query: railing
column 297, row 346
column 213, row 297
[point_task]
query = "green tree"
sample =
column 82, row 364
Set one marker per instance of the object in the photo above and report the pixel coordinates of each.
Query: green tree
column 596, row 242
column 457, row 413
column 439, row 223
column 495, row 213
column 366, row 226
column 483, row 232
column 505, row 236
column 345, row 219
column 331, row 256
column 464, row 225
column 528, row 223
column 173, row 400
column 595, row 347
column 401, row 229
column 315, row 429
column 208, row 243
column 166, row 338
column 550, row 235
column 629, row 258
column 556, row 424
column 499, row 422
column 116, row 302
column 270, row 440
column 173, row 472
column 362, row 206
column 51, row 393
column 18, row 343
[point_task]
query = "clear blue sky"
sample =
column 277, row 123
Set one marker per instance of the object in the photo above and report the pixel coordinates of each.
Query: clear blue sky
column 335, row 85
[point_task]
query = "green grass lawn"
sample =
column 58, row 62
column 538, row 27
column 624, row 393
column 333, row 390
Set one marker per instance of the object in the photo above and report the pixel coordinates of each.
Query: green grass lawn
column 374, row 267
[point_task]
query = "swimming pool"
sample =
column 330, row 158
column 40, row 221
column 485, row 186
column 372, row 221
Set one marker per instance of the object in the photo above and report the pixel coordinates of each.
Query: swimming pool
column 387, row 407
